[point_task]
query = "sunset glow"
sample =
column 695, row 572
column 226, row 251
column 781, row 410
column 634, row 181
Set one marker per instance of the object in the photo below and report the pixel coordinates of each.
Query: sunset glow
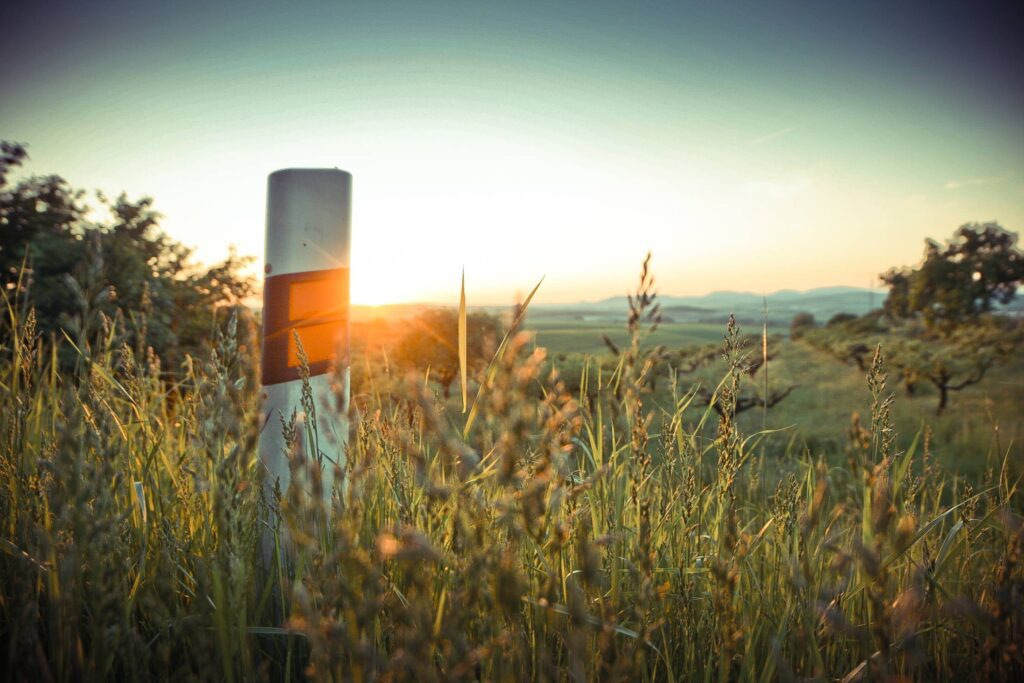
column 563, row 142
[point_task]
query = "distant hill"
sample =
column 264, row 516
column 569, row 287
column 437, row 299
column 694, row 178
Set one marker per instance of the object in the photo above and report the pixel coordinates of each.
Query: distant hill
column 822, row 303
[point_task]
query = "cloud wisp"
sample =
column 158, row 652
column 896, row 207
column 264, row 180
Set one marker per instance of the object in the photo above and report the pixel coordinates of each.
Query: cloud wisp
column 957, row 184
column 772, row 136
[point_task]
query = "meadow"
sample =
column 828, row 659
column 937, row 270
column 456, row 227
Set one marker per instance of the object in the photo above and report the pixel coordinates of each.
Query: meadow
column 985, row 418
column 574, row 527
column 568, row 335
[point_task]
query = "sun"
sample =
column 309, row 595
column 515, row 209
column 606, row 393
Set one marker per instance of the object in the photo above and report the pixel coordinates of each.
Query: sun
column 370, row 287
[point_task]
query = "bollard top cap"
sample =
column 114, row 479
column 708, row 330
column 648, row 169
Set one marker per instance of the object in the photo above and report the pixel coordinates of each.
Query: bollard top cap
column 310, row 171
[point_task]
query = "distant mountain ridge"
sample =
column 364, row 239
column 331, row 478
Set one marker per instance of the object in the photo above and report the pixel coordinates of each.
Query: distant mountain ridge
column 821, row 302
column 747, row 297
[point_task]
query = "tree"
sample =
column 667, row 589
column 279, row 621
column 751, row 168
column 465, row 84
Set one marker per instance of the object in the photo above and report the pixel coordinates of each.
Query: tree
column 955, row 361
column 430, row 343
column 12, row 154
column 75, row 272
column 848, row 338
column 744, row 403
column 956, row 283
column 741, row 362
column 840, row 318
column 897, row 303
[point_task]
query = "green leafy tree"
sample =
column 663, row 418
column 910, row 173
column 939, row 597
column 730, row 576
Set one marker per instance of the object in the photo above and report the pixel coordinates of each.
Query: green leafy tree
column 978, row 268
column 77, row 272
column 12, row 154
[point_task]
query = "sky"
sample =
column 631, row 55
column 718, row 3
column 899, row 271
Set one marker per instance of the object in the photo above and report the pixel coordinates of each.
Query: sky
column 750, row 146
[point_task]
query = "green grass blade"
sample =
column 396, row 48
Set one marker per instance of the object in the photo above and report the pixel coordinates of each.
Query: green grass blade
column 462, row 339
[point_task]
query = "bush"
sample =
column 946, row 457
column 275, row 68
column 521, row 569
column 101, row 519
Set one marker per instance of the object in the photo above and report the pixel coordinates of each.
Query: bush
column 840, row 318
column 429, row 343
column 801, row 323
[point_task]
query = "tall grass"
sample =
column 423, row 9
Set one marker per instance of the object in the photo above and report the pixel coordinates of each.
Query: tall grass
column 557, row 536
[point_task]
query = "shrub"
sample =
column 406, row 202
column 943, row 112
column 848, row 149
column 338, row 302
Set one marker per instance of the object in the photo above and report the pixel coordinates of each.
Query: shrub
column 801, row 323
column 840, row 318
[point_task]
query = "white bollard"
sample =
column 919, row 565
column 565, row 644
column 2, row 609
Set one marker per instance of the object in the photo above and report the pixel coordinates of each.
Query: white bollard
column 306, row 291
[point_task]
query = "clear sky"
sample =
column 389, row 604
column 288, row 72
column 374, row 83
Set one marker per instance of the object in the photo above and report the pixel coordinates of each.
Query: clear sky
column 752, row 146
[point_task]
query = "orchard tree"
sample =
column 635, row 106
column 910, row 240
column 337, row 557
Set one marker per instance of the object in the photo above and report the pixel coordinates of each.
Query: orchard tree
column 955, row 361
column 741, row 357
column 848, row 338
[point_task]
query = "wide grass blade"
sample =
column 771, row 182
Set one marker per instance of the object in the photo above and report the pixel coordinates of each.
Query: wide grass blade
column 462, row 339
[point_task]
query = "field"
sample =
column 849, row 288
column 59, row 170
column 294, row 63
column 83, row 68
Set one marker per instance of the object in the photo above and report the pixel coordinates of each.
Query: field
column 562, row 335
column 630, row 535
column 985, row 417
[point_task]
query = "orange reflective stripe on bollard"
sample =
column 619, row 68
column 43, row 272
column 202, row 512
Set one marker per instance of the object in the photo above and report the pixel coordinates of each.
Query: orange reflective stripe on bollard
column 313, row 304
